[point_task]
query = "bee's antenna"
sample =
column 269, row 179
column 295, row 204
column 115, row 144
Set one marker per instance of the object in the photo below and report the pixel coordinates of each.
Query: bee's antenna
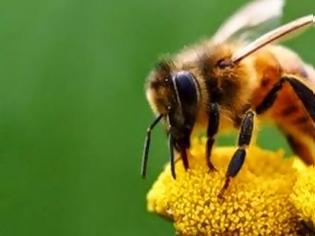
column 146, row 147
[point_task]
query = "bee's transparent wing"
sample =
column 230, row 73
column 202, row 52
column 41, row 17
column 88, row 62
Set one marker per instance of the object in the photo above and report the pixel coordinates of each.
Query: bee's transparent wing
column 273, row 36
column 256, row 14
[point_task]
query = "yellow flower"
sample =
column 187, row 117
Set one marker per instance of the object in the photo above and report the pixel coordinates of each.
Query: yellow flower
column 303, row 195
column 257, row 201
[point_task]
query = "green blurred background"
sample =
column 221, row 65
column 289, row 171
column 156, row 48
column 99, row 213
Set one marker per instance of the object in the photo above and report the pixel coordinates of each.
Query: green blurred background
column 73, row 112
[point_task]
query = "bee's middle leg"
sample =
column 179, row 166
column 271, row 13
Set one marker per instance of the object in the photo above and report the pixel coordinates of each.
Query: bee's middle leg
column 236, row 163
column 213, row 127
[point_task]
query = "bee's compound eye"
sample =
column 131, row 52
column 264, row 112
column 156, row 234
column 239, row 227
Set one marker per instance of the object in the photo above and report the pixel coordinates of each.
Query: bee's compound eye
column 186, row 86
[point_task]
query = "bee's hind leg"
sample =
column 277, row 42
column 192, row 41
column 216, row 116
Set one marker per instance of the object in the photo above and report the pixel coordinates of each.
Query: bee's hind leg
column 307, row 97
column 303, row 150
column 236, row 163
column 305, row 94
column 213, row 127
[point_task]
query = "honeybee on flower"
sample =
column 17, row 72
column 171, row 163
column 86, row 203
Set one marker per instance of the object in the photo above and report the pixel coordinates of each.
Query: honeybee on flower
column 227, row 82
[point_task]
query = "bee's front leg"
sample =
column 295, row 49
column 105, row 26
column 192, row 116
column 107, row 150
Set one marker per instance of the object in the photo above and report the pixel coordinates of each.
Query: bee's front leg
column 171, row 150
column 181, row 146
column 236, row 163
column 213, row 127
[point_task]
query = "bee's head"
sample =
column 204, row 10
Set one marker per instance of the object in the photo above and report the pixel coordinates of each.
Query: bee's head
column 159, row 89
column 173, row 94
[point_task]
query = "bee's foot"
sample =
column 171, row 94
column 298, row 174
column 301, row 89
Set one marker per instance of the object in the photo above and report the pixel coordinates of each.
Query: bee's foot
column 224, row 188
column 221, row 195
column 185, row 164
column 211, row 167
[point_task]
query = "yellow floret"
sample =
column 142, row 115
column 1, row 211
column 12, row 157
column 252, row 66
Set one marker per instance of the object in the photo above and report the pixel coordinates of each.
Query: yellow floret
column 257, row 201
column 303, row 195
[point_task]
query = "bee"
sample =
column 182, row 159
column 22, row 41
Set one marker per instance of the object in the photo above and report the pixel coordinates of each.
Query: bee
column 227, row 82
